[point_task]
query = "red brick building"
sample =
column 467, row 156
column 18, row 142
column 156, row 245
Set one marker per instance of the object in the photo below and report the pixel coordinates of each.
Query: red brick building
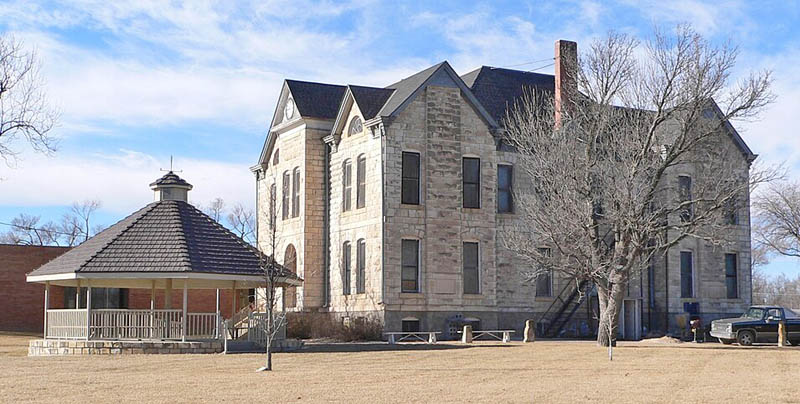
column 25, row 301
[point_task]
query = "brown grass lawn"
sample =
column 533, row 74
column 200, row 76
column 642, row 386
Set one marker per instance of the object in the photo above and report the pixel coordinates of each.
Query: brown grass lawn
column 541, row 372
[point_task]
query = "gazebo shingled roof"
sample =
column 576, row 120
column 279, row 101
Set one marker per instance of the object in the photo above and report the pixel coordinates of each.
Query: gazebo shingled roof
column 166, row 236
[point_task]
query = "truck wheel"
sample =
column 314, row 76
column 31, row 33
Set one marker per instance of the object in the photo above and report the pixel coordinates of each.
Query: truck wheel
column 726, row 341
column 745, row 338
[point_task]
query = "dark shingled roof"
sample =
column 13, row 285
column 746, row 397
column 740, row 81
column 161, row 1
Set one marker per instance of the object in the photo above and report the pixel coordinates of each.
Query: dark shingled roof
column 404, row 88
column 370, row 99
column 170, row 178
column 497, row 89
column 316, row 100
column 164, row 236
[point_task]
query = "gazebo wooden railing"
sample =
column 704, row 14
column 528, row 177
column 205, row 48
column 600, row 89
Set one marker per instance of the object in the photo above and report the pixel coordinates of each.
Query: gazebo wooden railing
column 123, row 324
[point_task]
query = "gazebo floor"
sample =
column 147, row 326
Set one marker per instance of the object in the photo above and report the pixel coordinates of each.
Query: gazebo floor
column 55, row 347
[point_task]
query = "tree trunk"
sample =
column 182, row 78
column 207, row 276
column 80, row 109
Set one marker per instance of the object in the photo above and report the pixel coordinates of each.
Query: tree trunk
column 610, row 306
column 269, row 339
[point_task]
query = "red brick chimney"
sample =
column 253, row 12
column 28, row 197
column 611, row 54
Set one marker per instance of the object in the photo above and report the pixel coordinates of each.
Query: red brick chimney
column 566, row 67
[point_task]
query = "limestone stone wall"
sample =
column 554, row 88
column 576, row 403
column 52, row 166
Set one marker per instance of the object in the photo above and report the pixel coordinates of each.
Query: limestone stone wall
column 443, row 127
column 298, row 147
column 49, row 347
column 357, row 223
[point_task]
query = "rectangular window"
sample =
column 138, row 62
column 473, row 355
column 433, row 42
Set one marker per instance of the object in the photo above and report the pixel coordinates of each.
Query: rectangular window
column 505, row 199
column 272, row 201
column 544, row 281
column 685, row 196
column 296, row 192
column 687, row 280
column 347, row 186
column 346, row 268
column 286, row 197
column 410, row 326
column 471, row 178
column 410, row 267
column 731, row 269
column 410, row 186
column 361, row 183
column 730, row 212
column 361, row 266
column 471, row 268
column 102, row 298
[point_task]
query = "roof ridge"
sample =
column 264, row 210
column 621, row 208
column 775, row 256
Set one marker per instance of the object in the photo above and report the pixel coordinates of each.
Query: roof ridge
column 315, row 82
column 144, row 211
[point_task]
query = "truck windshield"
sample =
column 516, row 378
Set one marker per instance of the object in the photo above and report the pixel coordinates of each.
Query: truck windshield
column 754, row 313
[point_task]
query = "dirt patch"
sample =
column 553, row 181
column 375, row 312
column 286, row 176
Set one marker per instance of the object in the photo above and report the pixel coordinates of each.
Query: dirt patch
column 662, row 340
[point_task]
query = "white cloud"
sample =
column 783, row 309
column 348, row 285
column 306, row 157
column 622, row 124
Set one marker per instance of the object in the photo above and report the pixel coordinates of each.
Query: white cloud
column 119, row 179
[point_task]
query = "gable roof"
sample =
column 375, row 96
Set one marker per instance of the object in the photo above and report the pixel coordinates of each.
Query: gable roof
column 406, row 89
column 316, row 100
column 370, row 100
column 164, row 236
column 498, row 89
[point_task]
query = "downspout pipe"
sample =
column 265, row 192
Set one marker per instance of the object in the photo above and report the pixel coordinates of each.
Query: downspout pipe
column 326, row 228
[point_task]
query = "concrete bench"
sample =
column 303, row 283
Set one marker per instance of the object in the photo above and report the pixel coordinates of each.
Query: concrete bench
column 500, row 335
column 424, row 336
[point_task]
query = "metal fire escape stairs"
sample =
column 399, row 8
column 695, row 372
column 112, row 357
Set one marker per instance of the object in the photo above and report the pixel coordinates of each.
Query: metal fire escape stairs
column 551, row 324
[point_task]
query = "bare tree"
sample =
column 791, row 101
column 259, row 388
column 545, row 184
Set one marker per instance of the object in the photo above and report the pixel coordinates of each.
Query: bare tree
column 83, row 212
column 215, row 209
column 24, row 110
column 242, row 221
column 603, row 165
column 70, row 229
column 778, row 218
column 26, row 230
column 275, row 276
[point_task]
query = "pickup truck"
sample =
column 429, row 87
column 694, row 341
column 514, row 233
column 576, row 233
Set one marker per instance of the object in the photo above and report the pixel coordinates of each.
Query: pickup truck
column 757, row 324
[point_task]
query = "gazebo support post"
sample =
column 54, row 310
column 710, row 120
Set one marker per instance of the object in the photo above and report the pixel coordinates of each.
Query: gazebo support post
column 185, row 301
column 78, row 295
column 218, row 319
column 47, row 305
column 168, row 294
column 88, row 310
column 152, row 307
column 234, row 333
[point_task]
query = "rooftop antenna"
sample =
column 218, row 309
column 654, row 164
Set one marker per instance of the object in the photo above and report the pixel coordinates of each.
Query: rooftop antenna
column 170, row 166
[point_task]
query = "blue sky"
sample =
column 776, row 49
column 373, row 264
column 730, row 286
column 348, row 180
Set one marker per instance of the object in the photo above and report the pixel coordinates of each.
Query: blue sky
column 139, row 81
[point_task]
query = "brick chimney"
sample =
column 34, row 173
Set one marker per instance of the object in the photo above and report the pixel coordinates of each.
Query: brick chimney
column 566, row 61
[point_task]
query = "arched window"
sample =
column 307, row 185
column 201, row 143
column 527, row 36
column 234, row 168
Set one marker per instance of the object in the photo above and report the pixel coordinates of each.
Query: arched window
column 276, row 157
column 361, row 182
column 346, row 268
column 355, row 126
column 286, row 197
column 347, row 185
column 296, row 192
column 361, row 266
column 290, row 262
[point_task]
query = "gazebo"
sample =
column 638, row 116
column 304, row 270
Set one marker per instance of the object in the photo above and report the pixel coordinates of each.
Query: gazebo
column 168, row 245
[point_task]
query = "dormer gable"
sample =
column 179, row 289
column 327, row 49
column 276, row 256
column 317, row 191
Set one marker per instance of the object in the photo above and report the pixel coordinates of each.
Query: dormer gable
column 300, row 102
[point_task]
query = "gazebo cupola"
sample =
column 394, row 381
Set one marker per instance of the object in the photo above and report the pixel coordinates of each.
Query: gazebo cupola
column 170, row 187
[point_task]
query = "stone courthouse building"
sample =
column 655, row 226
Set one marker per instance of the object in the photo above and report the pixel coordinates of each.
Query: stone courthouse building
column 392, row 202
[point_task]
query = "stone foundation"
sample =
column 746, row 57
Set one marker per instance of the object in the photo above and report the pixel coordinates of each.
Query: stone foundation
column 52, row 347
